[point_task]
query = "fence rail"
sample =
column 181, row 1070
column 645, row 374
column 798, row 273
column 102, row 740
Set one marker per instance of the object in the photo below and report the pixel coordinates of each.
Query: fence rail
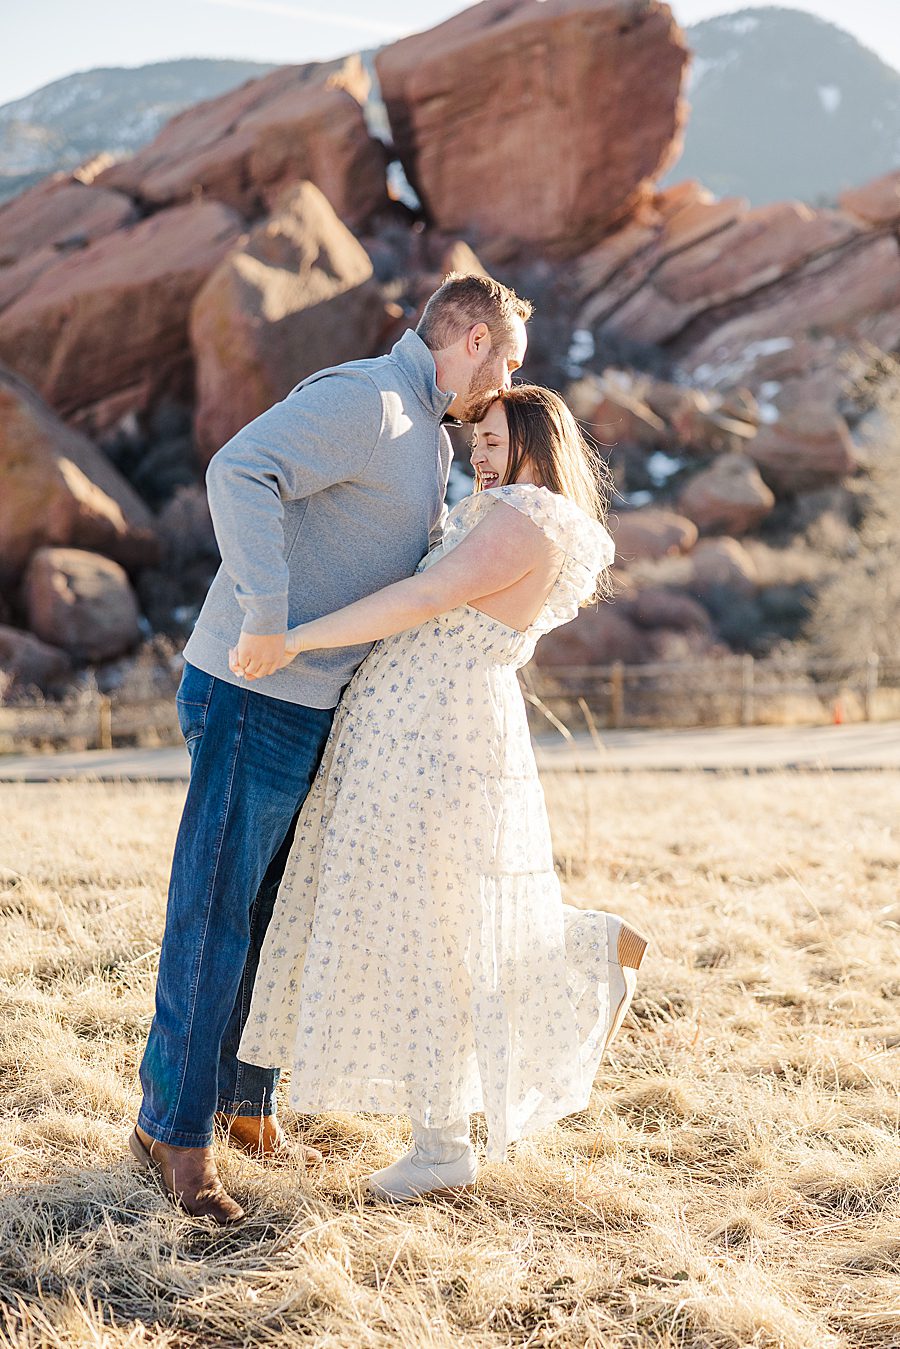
column 727, row 692
column 739, row 690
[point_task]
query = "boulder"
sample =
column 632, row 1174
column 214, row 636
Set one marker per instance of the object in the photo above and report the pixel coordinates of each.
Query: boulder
column 45, row 224
column 651, row 532
column 627, row 249
column 296, row 296
column 104, row 332
column 677, row 404
column 81, row 602
column 595, row 637
column 689, row 212
column 614, row 413
column 730, row 263
column 794, row 457
column 658, row 607
column 850, row 292
column 722, row 564
column 670, row 645
column 60, row 214
column 245, row 147
column 507, row 83
column 877, row 203
column 610, row 275
column 58, row 488
column 702, row 425
column 459, row 257
column 26, row 661
column 728, row 496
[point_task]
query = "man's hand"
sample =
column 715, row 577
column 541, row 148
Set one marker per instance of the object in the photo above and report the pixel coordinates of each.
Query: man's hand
column 254, row 657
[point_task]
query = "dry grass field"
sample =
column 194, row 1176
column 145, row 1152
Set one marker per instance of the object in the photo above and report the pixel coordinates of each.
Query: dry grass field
column 735, row 1182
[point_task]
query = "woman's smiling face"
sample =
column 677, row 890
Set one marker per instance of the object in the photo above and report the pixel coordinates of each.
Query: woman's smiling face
column 490, row 449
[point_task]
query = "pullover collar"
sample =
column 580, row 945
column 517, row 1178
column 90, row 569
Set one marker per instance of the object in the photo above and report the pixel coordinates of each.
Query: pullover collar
column 417, row 363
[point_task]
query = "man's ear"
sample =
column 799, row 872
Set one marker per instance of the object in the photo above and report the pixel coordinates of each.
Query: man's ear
column 478, row 342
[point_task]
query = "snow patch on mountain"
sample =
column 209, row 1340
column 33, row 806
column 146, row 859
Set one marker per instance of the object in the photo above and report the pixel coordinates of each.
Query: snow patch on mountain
column 830, row 97
column 741, row 24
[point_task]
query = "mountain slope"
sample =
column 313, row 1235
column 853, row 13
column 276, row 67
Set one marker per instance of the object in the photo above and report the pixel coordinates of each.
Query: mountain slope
column 785, row 105
column 114, row 109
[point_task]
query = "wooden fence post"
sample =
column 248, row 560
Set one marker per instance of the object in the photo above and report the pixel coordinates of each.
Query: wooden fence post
column 104, row 727
column 871, row 685
column 617, row 694
column 748, row 710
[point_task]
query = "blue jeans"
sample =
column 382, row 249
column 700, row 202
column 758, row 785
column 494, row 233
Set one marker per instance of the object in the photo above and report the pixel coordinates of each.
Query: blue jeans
column 253, row 760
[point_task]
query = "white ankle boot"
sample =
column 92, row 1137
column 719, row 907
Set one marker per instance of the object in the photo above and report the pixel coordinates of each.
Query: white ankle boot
column 626, row 951
column 440, row 1162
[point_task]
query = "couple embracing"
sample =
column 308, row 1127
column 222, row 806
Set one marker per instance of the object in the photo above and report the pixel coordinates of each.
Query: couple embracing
column 363, row 887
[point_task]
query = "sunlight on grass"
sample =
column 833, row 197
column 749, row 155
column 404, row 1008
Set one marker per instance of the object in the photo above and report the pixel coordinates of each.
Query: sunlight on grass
column 734, row 1182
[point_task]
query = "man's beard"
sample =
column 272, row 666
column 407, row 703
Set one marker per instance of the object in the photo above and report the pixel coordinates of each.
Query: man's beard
column 482, row 391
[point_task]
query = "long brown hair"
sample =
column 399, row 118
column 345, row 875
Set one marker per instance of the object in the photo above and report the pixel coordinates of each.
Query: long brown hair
column 544, row 434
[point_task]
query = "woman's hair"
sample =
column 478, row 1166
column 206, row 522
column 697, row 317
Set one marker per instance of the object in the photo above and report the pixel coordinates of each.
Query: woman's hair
column 544, row 434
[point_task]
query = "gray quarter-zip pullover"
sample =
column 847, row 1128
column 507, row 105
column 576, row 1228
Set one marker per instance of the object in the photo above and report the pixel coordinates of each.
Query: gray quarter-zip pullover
column 331, row 494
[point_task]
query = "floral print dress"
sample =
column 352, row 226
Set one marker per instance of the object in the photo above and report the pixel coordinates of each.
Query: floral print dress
column 419, row 959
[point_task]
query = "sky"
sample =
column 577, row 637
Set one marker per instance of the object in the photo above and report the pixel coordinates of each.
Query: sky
column 42, row 40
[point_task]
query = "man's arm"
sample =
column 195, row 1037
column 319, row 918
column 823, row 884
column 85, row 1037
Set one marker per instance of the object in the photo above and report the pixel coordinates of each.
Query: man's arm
column 319, row 435
column 502, row 548
column 436, row 532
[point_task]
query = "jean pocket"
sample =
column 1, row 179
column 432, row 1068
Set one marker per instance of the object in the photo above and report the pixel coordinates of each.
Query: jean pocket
column 192, row 702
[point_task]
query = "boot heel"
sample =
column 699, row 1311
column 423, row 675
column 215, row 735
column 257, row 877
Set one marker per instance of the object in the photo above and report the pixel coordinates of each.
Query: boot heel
column 631, row 947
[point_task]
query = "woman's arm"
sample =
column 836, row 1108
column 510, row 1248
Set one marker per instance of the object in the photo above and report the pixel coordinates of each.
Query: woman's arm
column 502, row 548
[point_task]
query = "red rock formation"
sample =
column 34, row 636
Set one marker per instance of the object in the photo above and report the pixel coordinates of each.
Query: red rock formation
column 246, row 146
column 59, row 489
column 541, row 124
column 609, row 275
column 728, row 497
column 877, row 203
column 26, row 661
column 614, row 413
column 297, row 296
column 595, row 637
column 42, row 226
column 722, row 564
column 59, row 213
column 794, row 457
column 81, row 602
column 651, row 532
column 105, row 331
column 845, row 292
column 747, row 253
column 657, row 607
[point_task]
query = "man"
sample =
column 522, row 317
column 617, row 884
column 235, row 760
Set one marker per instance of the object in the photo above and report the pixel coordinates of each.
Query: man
column 328, row 496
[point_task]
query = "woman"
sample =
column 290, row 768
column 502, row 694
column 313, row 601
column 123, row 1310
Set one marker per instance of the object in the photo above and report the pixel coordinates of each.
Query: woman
column 419, row 959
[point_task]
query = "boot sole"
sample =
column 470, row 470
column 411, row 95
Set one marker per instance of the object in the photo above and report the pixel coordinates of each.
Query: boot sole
column 449, row 1193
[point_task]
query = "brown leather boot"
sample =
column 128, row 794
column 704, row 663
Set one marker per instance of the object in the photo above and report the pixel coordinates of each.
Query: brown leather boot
column 188, row 1176
column 263, row 1137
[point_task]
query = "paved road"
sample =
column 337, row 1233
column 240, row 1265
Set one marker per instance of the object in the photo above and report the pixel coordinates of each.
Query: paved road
column 716, row 749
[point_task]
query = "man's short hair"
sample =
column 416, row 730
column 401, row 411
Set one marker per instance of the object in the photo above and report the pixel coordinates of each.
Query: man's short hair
column 463, row 300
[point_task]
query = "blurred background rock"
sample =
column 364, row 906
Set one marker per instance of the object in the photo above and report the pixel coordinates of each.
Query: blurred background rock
column 711, row 243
